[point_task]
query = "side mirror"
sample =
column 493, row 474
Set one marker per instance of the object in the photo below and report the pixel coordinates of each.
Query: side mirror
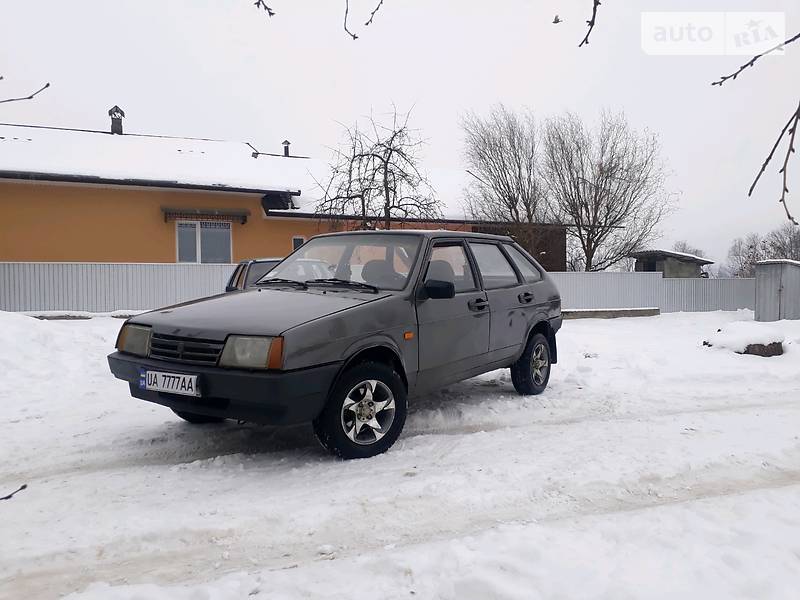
column 439, row 290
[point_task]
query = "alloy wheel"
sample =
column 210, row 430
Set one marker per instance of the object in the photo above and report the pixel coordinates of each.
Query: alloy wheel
column 368, row 412
column 540, row 363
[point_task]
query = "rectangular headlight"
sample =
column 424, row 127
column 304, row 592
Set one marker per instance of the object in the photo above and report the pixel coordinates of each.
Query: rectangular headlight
column 134, row 339
column 245, row 352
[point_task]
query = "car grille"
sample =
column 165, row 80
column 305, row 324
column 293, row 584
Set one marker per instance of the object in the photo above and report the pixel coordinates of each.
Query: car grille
column 185, row 350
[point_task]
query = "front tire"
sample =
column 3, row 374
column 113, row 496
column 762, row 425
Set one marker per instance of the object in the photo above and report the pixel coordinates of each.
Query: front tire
column 196, row 419
column 365, row 412
column 531, row 372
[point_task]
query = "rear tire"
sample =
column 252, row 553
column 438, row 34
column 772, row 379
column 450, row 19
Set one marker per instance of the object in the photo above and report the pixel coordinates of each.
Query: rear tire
column 365, row 412
column 531, row 372
column 196, row 419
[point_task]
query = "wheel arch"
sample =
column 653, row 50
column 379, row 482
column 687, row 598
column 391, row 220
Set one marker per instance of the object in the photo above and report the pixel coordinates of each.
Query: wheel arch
column 547, row 331
column 377, row 352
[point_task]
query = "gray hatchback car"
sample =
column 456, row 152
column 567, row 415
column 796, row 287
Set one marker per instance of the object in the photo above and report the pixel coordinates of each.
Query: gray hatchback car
column 402, row 313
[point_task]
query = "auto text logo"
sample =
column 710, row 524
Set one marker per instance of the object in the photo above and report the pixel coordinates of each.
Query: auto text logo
column 712, row 33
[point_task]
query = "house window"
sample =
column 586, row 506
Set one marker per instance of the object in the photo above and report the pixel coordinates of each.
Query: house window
column 297, row 241
column 204, row 242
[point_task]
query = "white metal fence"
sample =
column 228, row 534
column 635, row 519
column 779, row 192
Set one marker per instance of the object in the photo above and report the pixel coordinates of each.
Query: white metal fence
column 640, row 290
column 106, row 287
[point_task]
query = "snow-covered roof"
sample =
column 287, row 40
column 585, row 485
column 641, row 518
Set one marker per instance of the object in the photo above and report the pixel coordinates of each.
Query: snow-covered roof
column 779, row 261
column 673, row 254
column 133, row 159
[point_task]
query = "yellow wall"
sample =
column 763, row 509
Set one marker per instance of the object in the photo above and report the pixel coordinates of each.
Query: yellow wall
column 53, row 222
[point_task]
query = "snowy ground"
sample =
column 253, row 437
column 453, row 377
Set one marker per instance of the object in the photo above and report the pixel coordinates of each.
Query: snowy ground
column 651, row 468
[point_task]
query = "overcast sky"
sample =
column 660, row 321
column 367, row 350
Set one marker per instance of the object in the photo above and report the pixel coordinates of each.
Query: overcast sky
column 222, row 69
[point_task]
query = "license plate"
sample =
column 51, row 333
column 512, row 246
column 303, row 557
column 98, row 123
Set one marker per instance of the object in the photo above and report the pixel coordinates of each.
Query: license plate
column 173, row 383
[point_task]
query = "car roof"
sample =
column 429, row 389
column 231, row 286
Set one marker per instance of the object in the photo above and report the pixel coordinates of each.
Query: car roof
column 258, row 260
column 426, row 233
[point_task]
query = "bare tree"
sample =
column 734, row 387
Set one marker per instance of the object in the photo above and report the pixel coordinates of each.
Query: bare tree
column 607, row 185
column 503, row 154
column 30, row 96
column 684, row 247
column 375, row 175
column 744, row 253
column 784, row 242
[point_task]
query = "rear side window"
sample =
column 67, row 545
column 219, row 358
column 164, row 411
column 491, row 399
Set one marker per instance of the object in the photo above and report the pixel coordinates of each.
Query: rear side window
column 449, row 263
column 495, row 269
column 529, row 273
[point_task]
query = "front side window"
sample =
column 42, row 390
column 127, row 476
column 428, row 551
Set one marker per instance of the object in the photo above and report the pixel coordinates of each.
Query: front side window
column 529, row 273
column 495, row 269
column 259, row 269
column 449, row 263
column 236, row 276
column 204, row 242
column 383, row 261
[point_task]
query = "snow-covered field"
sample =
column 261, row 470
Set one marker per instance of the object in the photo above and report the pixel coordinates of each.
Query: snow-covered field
column 653, row 467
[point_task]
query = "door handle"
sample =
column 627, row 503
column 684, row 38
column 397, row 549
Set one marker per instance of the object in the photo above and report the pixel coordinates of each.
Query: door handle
column 478, row 304
column 525, row 297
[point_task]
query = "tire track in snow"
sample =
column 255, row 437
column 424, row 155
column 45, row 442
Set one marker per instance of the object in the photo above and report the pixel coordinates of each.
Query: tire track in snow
column 52, row 575
column 294, row 443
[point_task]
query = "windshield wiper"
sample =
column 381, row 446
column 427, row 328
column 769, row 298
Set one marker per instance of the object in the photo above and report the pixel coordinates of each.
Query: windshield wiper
column 345, row 282
column 299, row 284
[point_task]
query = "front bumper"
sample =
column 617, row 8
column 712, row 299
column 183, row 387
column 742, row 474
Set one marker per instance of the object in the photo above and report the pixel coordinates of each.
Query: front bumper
column 272, row 398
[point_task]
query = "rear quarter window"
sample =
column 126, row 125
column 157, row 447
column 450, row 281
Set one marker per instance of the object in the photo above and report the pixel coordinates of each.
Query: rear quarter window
column 529, row 273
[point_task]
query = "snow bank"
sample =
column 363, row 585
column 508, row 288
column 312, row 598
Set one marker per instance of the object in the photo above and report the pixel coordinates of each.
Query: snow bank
column 739, row 335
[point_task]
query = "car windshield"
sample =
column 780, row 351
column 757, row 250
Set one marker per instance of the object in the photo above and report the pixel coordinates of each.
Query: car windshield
column 381, row 261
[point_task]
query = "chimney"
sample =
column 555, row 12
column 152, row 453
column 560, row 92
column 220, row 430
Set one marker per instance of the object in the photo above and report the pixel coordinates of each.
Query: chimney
column 116, row 114
column 286, row 144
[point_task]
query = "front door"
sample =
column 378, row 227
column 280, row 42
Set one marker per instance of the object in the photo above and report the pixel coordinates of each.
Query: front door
column 453, row 332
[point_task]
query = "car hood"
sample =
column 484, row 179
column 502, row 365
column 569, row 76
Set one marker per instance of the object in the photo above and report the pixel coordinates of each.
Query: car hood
column 251, row 312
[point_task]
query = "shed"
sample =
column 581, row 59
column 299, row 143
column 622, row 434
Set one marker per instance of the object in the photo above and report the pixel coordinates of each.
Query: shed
column 670, row 263
column 777, row 290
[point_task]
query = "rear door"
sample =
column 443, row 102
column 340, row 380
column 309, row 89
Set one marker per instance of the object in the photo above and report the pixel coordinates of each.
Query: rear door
column 503, row 288
column 453, row 332
column 533, row 297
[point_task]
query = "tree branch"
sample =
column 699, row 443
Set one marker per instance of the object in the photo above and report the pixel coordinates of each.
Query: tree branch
column 753, row 60
column 346, row 13
column 785, row 169
column 262, row 4
column 31, row 97
column 790, row 127
column 373, row 13
column 591, row 23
